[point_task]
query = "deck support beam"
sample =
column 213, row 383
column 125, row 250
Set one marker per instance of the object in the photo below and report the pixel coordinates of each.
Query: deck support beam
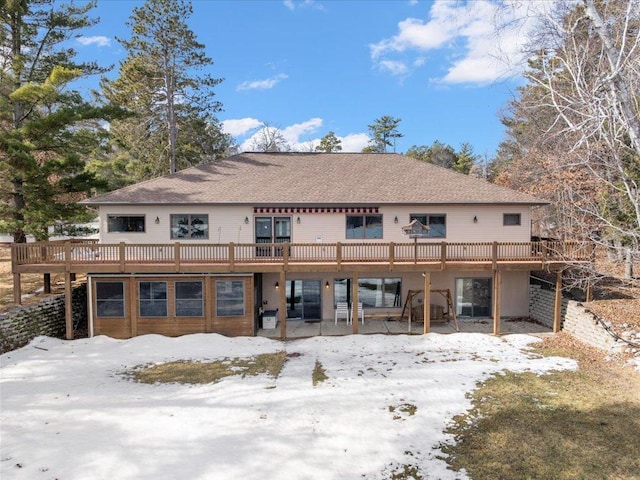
column 557, row 310
column 17, row 289
column 354, row 302
column 496, row 302
column 427, row 302
column 283, row 304
column 68, row 307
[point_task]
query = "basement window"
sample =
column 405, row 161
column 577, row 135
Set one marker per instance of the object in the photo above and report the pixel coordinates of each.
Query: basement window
column 510, row 219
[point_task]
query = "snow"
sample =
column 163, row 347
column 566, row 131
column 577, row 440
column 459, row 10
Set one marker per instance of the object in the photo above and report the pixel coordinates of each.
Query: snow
column 67, row 411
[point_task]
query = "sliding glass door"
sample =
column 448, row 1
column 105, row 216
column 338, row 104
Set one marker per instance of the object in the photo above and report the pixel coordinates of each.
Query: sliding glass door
column 304, row 299
column 473, row 297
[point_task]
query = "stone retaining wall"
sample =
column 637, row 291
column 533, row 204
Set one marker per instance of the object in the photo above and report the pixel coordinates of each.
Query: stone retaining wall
column 581, row 323
column 542, row 305
column 21, row 324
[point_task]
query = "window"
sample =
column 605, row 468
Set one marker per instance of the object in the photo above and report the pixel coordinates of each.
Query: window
column 372, row 292
column 109, row 299
column 189, row 299
column 230, row 298
column 511, row 219
column 437, row 223
column 364, row 226
column 189, row 226
column 153, row 299
column 125, row 223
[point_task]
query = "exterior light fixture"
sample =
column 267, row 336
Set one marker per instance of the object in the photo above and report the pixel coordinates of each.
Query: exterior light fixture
column 395, row 220
column 326, row 285
column 475, row 219
column 246, row 220
column 277, row 285
column 298, row 220
column 157, row 220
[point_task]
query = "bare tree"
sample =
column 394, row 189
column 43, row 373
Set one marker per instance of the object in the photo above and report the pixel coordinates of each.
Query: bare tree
column 269, row 139
column 580, row 102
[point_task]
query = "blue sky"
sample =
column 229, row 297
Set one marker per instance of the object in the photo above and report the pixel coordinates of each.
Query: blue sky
column 309, row 67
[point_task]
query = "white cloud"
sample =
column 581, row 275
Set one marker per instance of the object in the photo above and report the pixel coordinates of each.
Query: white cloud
column 394, row 67
column 99, row 40
column 240, row 126
column 354, row 142
column 293, row 133
column 291, row 5
column 262, row 84
column 483, row 40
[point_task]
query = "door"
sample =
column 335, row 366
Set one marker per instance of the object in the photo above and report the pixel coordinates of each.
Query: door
column 473, row 297
column 304, row 299
column 272, row 230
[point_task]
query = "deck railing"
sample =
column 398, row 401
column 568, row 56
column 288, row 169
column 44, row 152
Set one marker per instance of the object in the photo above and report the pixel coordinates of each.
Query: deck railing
column 91, row 253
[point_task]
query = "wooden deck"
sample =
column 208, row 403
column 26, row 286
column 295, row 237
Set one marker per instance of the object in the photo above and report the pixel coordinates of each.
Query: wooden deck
column 93, row 257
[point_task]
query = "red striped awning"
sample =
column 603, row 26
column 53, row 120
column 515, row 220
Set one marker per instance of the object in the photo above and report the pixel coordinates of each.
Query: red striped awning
column 285, row 210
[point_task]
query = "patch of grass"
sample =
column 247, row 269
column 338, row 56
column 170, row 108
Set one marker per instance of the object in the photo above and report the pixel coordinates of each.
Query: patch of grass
column 404, row 408
column 563, row 425
column 192, row 372
column 319, row 374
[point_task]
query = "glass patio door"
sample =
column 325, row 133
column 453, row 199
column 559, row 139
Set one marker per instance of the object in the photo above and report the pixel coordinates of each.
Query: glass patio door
column 473, row 297
column 304, row 299
column 272, row 230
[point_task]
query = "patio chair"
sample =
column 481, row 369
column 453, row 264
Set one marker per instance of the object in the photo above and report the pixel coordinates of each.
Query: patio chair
column 360, row 312
column 342, row 311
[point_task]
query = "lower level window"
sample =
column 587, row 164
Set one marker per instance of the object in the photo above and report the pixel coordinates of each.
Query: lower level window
column 109, row 299
column 230, row 298
column 372, row 292
column 189, row 299
column 153, row 299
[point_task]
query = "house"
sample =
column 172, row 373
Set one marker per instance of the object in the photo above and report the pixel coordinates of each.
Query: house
column 211, row 248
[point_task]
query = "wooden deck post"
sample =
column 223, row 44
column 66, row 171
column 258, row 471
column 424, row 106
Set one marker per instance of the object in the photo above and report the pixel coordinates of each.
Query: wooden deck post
column 68, row 306
column 557, row 303
column 588, row 294
column 46, row 279
column 17, row 289
column 496, row 302
column 427, row 302
column 354, row 302
column 392, row 251
column 283, row 304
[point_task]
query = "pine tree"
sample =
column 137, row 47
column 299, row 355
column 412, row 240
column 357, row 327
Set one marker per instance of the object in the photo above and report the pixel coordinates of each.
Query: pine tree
column 329, row 143
column 173, row 123
column 384, row 132
column 45, row 128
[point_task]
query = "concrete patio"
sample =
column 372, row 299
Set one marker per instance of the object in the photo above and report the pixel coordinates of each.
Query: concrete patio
column 302, row 329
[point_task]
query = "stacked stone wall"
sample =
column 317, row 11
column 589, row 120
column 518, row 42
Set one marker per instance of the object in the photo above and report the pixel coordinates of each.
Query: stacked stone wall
column 582, row 324
column 542, row 305
column 19, row 325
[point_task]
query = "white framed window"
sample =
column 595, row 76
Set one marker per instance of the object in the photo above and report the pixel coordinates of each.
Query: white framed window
column 510, row 219
column 437, row 223
column 189, row 226
column 364, row 226
column 125, row 223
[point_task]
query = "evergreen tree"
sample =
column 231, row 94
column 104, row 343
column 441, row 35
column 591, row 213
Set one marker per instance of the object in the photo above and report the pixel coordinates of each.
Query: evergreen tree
column 437, row 153
column 466, row 159
column 45, row 128
column 384, row 132
column 329, row 143
column 173, row 123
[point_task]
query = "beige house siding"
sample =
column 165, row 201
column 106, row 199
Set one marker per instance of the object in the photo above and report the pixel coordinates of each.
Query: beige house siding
column 227, row 224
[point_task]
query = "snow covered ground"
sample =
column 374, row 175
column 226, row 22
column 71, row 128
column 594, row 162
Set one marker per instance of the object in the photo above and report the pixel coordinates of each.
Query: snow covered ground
column 68, row 413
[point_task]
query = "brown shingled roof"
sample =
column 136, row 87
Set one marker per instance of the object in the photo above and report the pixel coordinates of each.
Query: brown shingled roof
column 315, row 179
